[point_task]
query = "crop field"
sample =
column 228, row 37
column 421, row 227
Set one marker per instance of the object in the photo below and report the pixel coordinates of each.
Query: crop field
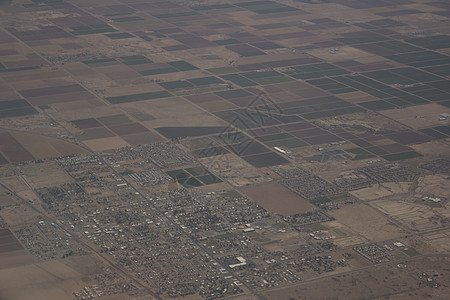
column 16, row 108
column 174, row 132
column 8, row 241
column 12, row 252
column 12, row 149
column 305, row 87
column 138, row 97
column 265, row 160
column 224, row 149
column 45, row 147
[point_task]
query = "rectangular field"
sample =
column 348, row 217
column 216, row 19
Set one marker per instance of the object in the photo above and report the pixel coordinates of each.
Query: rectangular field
column 276, row 198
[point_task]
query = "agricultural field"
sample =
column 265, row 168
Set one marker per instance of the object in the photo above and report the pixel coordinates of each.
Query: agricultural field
column 19, row 146
column 257, row 149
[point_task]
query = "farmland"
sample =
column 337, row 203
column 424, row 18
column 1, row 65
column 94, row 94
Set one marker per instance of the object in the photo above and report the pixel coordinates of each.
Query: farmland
column 230, row 149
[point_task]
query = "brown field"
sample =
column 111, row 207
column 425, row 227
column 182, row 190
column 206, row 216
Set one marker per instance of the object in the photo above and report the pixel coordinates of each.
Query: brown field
column 378, row 282
column 436, row 185
column 8, row 241
column 119, row 72
column 356, row 97
column 41, row 82
column 95, row 133
column 180, row 75
column 45, row 174
column 47, row 280
column 28, row 195
column 14, row 258
column 6, row 93
column 141, row 116
column 14, row 183
column 68, row 71
column 416, row 216
column 344, row 53
column 32, row 75
column 217, row 106
column 292, row 86
column 19, row 215
column 115, row 120
column 78, row 69
column 367, row 222
column 132, row 89
column 381, row 142
column 439, row 240
column 278, row 199
column 242, row 101
column 421, row 116
column 125, row 129
column 173, row 111
column 381, row 190
column 12, row 149
column 45, row 147
column 331, row 169
column 106, row 143
column 350, row 241
column 12, row 253
column 202, row 98
column 86, row 123
column 83, row 112
column 284, row 96
column 268, row 58
column 434, row 148
column 92, row 103
column 5, row 200
column 322, row 139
